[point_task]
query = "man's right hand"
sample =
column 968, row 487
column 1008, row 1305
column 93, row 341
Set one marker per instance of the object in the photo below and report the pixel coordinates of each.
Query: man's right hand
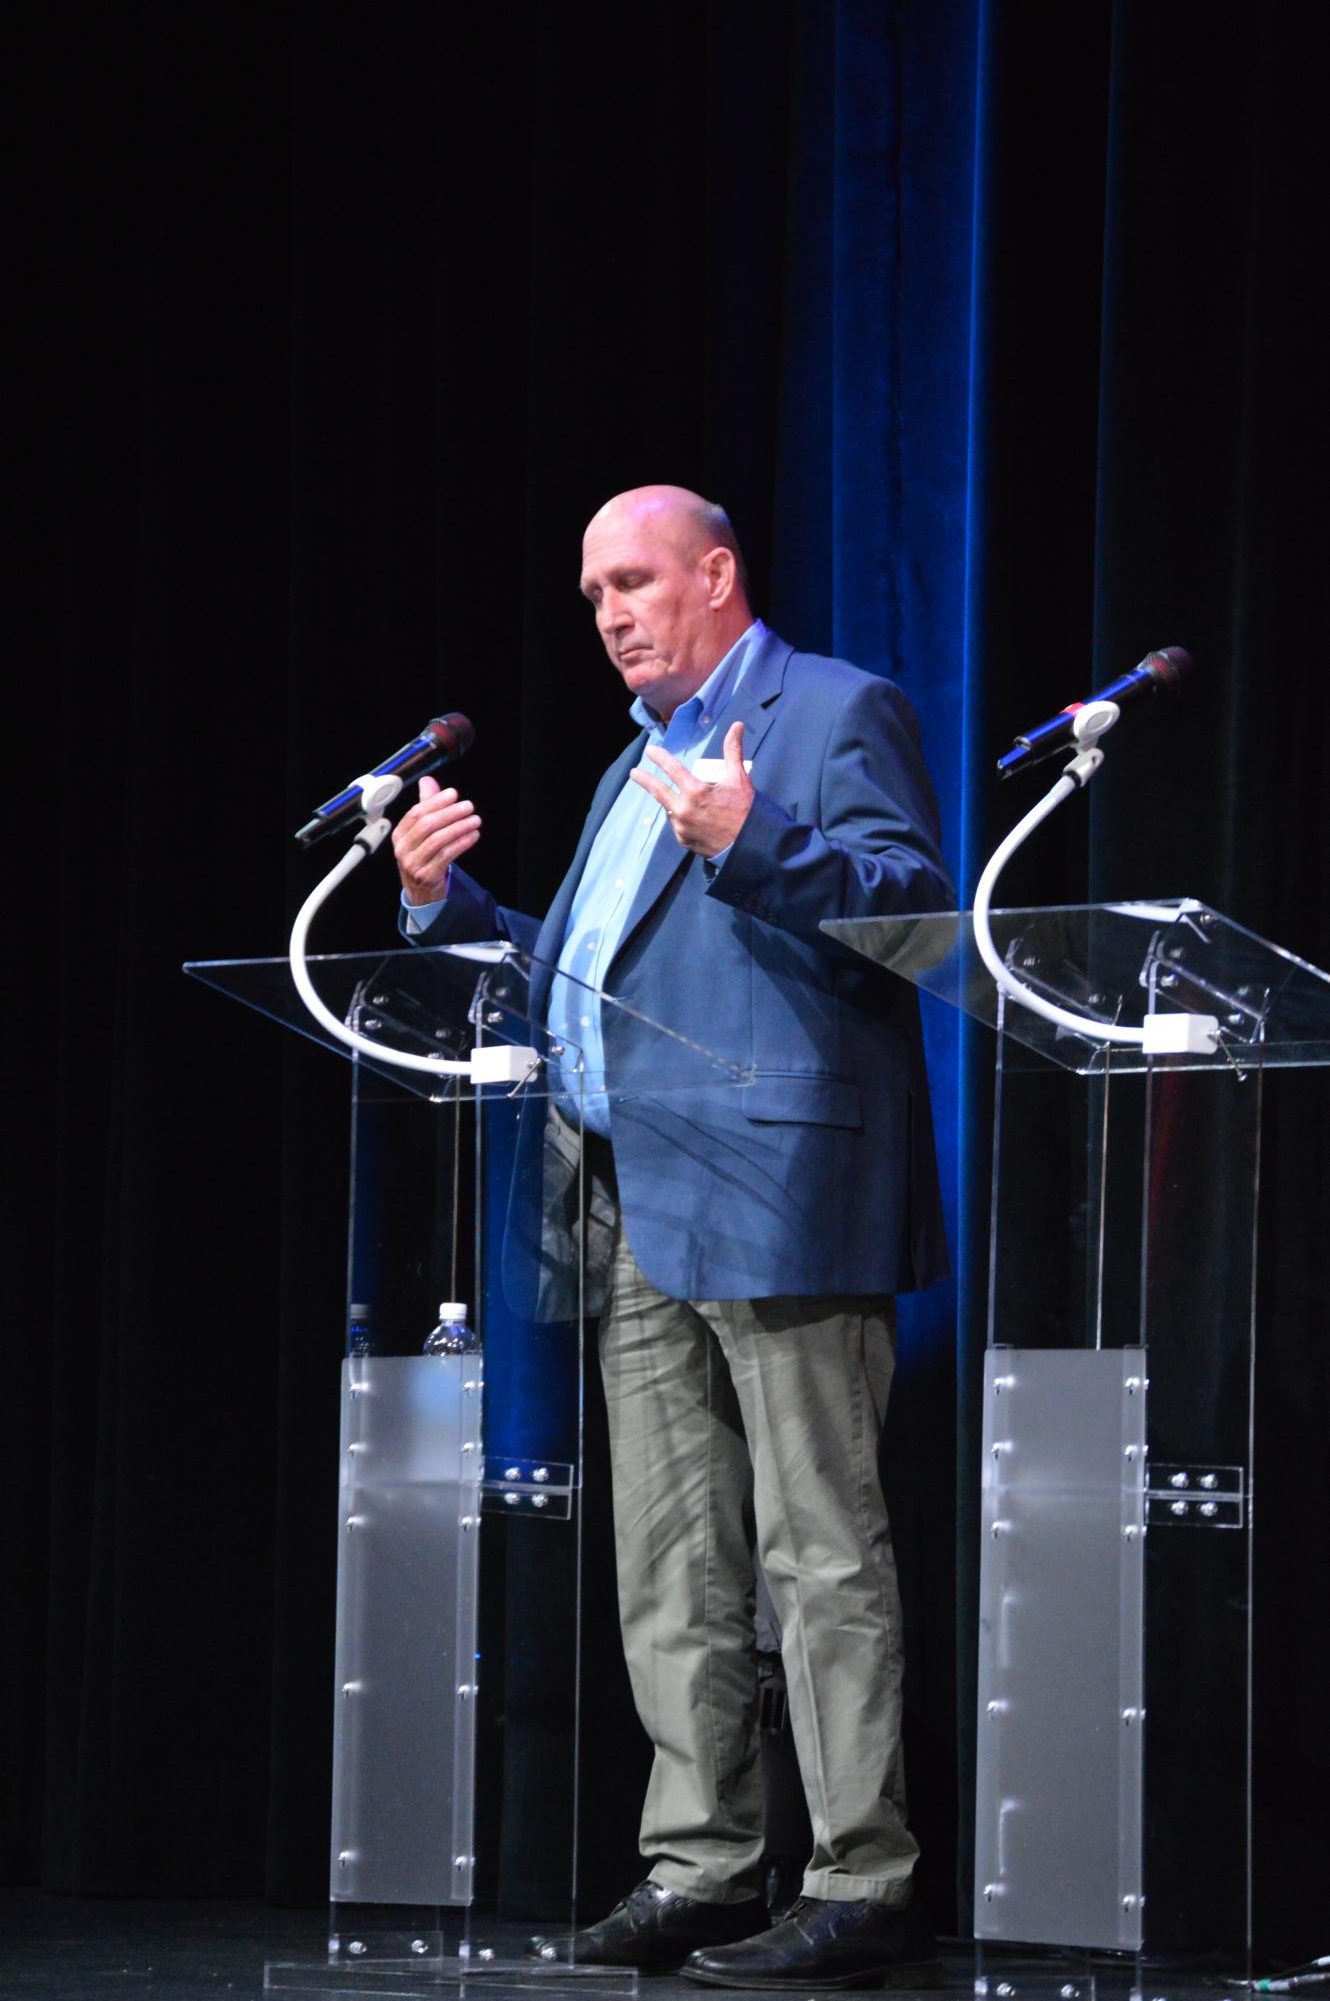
column 429, row 839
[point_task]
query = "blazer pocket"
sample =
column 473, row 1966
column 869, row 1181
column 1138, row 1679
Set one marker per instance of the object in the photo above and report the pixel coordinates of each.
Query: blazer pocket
column 790, row 1098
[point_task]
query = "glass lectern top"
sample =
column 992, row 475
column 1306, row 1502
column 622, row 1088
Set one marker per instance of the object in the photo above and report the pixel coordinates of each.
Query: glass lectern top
column 1116, row 962
column 445, row 1001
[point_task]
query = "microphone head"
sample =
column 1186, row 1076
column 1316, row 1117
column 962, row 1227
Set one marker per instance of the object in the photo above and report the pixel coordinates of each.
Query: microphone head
column 453, row 733
column 1169, row 666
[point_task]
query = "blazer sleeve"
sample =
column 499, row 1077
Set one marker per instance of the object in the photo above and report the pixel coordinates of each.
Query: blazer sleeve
column 873, row 847
column 470, row 914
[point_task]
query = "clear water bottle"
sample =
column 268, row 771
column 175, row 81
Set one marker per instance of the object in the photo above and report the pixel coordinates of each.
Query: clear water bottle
column 452, row 1336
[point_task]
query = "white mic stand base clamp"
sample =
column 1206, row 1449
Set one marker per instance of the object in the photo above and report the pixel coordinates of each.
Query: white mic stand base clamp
column 502, row 1063
column 1179, row 1035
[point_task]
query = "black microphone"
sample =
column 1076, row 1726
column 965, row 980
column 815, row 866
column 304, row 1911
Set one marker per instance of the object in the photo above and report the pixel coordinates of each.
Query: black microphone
column 440, row 742
column 1158, row 672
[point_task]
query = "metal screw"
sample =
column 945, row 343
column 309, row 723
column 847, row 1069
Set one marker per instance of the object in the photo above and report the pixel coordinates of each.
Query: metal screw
column 1209, row 1508
column 1178, row 1480
column 1179, row 1507
column 1209, row 1480
column 486, row 1952
column 356, row 1946
column 541, row 1473
column 539, row 1500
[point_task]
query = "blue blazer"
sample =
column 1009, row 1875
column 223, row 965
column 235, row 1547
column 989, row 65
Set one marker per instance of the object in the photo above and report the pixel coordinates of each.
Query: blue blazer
column 819, row 1177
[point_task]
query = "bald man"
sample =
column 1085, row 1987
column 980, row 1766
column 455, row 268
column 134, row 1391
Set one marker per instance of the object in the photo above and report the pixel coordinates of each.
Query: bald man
column 757, row 1236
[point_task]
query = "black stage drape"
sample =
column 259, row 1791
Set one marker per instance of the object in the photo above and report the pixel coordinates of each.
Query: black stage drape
column 1000, row 328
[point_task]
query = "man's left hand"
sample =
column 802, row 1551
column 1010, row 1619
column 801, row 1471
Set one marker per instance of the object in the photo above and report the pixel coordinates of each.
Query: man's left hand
column 705, row 818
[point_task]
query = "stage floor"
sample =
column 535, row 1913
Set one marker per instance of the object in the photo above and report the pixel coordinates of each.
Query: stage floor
column 103, row 1949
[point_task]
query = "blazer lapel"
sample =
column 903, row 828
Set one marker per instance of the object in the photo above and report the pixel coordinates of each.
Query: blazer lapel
column 755, row 704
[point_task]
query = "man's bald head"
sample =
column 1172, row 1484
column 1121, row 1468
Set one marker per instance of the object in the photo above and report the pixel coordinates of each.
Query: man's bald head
column 692, row 524
column 662, row 568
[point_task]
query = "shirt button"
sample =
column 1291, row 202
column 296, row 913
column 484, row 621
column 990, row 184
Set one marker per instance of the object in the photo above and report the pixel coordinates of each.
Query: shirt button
column 618, row 882
column 586, row 1021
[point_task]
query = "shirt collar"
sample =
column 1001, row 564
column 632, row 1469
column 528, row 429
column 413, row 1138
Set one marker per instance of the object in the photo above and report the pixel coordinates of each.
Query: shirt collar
column 721, row 683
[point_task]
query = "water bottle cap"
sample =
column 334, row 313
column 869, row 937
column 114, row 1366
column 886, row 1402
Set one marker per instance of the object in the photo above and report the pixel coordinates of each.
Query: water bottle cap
column 451, row 1310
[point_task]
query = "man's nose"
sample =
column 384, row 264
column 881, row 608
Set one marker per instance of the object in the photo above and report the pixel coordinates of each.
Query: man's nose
column 612, row 612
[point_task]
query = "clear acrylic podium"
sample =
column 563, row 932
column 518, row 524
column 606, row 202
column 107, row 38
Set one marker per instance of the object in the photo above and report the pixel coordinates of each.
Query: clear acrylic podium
column 473, row 1193
column 1114, row 1753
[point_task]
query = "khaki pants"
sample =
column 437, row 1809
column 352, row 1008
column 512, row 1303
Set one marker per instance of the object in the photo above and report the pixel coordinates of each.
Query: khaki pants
column 728, row 1416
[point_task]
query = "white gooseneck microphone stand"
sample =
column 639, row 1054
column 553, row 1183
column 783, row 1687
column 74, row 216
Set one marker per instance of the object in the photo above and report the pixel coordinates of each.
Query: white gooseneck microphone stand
column 1159, row 1034
column 492, row 1063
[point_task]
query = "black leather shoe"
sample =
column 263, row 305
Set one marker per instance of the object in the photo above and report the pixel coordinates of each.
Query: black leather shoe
column 654, row 1929
column 822, row 1944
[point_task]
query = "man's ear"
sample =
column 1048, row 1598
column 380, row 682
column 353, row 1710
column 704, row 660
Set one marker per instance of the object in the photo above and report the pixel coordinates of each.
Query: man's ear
column 720, row 570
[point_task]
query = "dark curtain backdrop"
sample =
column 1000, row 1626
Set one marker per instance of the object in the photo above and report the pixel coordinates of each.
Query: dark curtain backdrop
column 1000, row 329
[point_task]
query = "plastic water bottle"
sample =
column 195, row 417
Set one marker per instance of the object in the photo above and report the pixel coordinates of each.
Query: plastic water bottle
column 452, row 1336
